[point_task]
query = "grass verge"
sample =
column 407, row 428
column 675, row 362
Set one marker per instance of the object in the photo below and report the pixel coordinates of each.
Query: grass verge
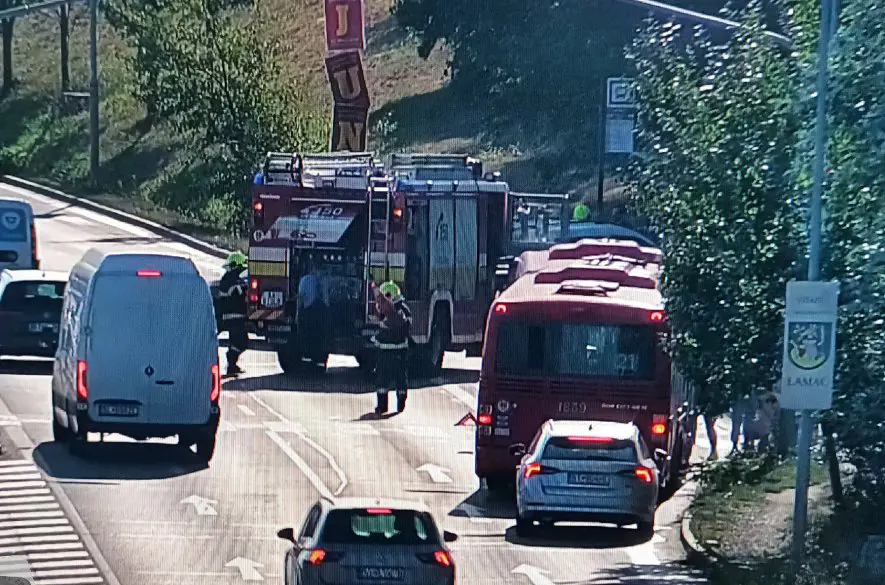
column 746, row 524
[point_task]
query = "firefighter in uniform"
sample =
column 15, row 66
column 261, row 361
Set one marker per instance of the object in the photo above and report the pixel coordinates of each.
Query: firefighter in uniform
column 392, row 343
column 233, row 316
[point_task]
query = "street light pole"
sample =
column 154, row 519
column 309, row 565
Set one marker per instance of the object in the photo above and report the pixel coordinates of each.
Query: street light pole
column 806, row 426
column 93, row 91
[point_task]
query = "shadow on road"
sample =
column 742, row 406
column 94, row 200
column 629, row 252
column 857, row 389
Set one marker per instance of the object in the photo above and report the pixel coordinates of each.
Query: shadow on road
column 116, row 461
column 338, row 380
column 124, row 240
column 645, row 574
column 26, row 367
column 57, row 212
column 577, row 536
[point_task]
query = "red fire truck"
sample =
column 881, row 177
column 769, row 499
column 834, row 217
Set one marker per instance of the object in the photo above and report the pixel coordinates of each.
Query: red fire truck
column 578, row 337
column 428, row 222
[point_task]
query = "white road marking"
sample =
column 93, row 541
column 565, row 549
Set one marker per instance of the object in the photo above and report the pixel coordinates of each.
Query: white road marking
column 4, row 486
column 276, row 438
column 463, row 396
column 73, row 219
column 73, row 581
column 245, row 410
column 13, row 496
column 644, row 554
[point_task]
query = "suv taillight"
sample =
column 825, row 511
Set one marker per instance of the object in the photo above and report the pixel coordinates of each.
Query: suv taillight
column 82, row 387
column 644, row 474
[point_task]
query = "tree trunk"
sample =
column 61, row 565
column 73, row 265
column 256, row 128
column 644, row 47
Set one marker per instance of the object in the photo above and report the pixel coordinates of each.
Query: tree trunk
column 63, row 24
column 7, row 54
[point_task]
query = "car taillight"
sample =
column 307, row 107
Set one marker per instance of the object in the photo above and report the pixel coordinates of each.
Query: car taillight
column 35, row 255
column 319, row 556
column 82, row 387
column 644, row 474
column 533, row 469
column 441, row 557
column 216, row 383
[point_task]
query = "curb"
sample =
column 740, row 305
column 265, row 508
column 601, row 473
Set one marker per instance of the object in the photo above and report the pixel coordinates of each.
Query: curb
column 146, row 224
column 695, row 550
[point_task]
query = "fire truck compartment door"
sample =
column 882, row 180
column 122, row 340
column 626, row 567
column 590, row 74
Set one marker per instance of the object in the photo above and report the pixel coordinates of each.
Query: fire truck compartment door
column 318, row 223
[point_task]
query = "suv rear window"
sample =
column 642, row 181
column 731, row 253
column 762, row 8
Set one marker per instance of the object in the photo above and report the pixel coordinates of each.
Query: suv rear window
column 45, row 296
column 565, row 448
column 396, row 527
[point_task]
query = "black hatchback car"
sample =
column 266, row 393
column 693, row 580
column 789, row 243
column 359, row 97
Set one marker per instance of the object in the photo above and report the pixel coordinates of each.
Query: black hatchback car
column 30, row 312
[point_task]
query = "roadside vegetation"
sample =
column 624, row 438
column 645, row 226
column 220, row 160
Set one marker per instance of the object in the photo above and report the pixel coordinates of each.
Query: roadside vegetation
column 726, row 132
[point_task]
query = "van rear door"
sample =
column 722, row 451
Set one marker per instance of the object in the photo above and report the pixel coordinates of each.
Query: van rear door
column 152, row 342
column 16, row 235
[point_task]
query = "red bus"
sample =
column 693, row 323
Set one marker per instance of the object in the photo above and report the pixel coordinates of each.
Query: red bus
column 580, row 341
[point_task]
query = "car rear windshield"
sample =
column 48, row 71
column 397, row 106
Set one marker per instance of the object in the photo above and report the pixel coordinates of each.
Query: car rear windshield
column 565, row 448
column 13, row 225
column 36, row 295
column 360, row 526
column 623, row 352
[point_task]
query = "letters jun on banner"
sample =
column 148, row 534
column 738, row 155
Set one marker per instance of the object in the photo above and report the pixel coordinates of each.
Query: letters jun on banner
column 349, row 128
column 809, row 357
column 347, row 79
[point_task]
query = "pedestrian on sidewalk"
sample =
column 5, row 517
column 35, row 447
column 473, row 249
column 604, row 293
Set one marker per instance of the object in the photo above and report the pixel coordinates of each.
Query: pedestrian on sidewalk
column 763, row 423
column 742, row 412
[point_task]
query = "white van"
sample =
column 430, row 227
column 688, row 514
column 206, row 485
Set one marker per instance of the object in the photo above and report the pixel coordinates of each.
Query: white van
column 18, row 235
column 137, row 352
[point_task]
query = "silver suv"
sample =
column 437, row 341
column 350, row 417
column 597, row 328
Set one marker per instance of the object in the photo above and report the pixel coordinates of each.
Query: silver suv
column 588, row 471
column 355, row 540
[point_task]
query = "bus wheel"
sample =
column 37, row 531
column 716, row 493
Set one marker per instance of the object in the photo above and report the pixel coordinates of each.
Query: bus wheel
column 497, row 484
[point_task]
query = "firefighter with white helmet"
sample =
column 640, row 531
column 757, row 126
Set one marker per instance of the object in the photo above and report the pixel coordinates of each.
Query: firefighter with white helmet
column 392, row 343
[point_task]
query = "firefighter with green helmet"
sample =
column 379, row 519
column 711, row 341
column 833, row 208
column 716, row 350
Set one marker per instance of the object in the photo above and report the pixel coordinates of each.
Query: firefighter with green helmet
column 581, row 212
column 392, row 344
column 232, row 300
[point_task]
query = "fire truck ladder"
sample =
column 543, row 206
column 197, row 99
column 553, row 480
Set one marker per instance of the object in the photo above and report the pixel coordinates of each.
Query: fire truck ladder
column 279, row 168
column 379, row 192
column 435, row 166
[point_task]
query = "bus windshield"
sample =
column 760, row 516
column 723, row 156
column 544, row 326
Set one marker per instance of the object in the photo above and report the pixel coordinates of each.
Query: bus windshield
column 585, row 350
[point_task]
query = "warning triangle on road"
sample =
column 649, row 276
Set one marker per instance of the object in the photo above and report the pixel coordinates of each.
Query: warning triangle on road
column 468, row 420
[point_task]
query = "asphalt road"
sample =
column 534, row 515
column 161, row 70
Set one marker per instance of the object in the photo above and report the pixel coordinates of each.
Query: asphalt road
column 150, row 516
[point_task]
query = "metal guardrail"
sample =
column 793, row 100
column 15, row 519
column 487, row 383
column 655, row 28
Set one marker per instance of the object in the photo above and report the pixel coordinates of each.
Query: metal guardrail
column 26, row 9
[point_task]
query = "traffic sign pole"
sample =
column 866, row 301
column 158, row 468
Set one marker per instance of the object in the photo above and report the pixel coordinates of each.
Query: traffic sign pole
column 803, row 462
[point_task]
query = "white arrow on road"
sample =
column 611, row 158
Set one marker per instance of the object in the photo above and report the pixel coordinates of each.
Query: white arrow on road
column 203, row 506
column 436, row 473
column 535, row 575
column 248, row 569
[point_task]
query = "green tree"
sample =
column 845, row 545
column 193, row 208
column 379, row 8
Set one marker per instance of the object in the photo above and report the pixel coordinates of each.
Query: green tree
column 855, row 244
column 718, row 131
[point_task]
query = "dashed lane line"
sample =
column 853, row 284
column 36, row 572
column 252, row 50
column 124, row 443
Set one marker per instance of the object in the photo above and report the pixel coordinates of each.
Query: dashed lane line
column 37, row 540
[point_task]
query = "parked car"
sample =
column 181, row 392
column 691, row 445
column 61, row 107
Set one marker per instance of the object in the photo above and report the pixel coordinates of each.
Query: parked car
column 586, row 471
column 30, row 311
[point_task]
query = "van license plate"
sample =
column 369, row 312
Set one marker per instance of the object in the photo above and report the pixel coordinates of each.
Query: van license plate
column 117, row 410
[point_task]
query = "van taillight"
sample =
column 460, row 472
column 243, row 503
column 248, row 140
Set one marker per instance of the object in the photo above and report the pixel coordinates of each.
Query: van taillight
column 82, row 387
column 148, row 273
column 35, row 253
column 216, row 383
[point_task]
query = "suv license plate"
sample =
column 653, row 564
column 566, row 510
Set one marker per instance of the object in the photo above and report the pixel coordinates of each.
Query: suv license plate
column 587, row 479
column 381, row 573
column 117, row 410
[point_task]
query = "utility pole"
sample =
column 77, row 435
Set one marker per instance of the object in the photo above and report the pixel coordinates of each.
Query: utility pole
column 93, row 91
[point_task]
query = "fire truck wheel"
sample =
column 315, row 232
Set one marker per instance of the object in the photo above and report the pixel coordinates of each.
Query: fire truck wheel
column 290, row 361
column 434, row 350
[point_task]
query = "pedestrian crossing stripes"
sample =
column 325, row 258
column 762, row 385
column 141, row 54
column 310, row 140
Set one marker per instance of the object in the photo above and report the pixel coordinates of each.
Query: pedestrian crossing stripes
column 37, row 542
